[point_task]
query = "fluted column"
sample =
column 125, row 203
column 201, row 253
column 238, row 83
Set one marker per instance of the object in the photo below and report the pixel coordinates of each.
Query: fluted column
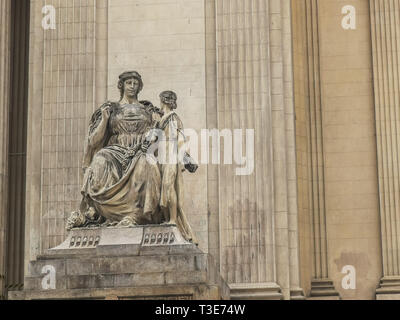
column 385, row 33
column 67, row 80
column 311, row 164
column 5, row 23
column 321, row 284
column 258, row 213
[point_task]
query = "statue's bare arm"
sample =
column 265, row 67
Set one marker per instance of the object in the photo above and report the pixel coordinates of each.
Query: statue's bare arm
column 96, row 135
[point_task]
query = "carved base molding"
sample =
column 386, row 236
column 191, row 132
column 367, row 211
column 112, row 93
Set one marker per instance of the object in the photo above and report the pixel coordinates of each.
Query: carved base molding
column 389, row 288
column 323, row 289
column 255, row 291
column 150, row 262
column 297, row 294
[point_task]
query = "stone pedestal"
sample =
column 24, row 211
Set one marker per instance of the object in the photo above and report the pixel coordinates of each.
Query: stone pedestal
column 150, row 262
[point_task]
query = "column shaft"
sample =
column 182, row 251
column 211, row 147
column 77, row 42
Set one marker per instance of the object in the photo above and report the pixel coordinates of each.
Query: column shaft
column 385, row 33
column 5, row 50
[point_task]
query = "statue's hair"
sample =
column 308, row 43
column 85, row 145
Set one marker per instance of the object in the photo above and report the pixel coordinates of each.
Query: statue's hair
column 169, row 98
column 129, row 75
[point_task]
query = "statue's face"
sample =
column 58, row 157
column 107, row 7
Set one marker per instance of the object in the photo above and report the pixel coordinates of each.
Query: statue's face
column 131, row 87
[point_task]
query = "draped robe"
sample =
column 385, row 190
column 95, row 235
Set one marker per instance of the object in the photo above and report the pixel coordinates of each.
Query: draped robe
column 119, row 182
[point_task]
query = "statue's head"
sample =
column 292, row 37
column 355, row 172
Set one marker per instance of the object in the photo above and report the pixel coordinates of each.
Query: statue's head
column 130, row 83
column 169, row 98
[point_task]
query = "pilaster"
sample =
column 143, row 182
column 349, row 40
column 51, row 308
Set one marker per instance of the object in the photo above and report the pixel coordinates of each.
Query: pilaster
column 5, row 51
column 385, row 30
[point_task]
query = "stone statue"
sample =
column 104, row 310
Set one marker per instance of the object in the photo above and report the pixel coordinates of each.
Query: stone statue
column 171, row 202
column 121, row 186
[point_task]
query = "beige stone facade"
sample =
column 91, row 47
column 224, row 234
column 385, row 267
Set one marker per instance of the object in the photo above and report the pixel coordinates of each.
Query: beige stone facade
column 322, row 99
column 336, row 146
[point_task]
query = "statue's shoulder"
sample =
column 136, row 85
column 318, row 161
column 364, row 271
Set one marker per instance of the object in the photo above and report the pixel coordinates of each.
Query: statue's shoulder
column 150, row 108
column 97, row 113
column 171, row 118
column 175, row 117
column 96, row 116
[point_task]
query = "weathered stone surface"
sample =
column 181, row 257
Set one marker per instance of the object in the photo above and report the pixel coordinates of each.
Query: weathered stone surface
column 180, row 268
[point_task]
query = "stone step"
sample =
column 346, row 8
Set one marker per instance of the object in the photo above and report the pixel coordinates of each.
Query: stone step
column 122, row 280
column 121, row 265
column 255, row 291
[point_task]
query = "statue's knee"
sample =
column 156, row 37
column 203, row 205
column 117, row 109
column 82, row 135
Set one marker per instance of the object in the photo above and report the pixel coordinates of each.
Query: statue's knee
column 99, row 161
column 98, row 166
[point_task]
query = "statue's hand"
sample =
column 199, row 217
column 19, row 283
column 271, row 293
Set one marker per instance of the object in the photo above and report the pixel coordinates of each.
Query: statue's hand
column 189, row 163
column 105, row 110
column 191, row 167
column 145, row 147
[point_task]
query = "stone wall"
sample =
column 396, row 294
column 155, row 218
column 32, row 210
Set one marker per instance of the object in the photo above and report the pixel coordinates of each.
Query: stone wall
column 198, row 49
column 324, row 191
column 336, row 147
column 352, row 201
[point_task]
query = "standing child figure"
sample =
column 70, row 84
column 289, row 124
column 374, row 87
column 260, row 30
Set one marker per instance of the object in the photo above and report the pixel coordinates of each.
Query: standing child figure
column 172, row 166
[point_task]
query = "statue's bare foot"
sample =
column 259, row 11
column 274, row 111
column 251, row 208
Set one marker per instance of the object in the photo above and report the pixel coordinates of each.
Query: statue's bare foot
column 75, row 220
column 126, row 222
column 107, row 223
column 169, row 223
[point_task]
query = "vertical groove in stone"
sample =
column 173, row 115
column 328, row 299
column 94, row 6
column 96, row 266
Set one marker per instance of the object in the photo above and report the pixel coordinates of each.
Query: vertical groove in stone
column 263, row 114
column 5, row 22
column 246, row 228
column 378, row 117
column 258, row 252
column 394, row 132
column 396, row 62
column 387, row 107
column 245, row 270
column 288, row 71
column 301, row 85
column 280, row 143
column 317, row 199
column 212, row 115
column 385, row 32
column 101, row 48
